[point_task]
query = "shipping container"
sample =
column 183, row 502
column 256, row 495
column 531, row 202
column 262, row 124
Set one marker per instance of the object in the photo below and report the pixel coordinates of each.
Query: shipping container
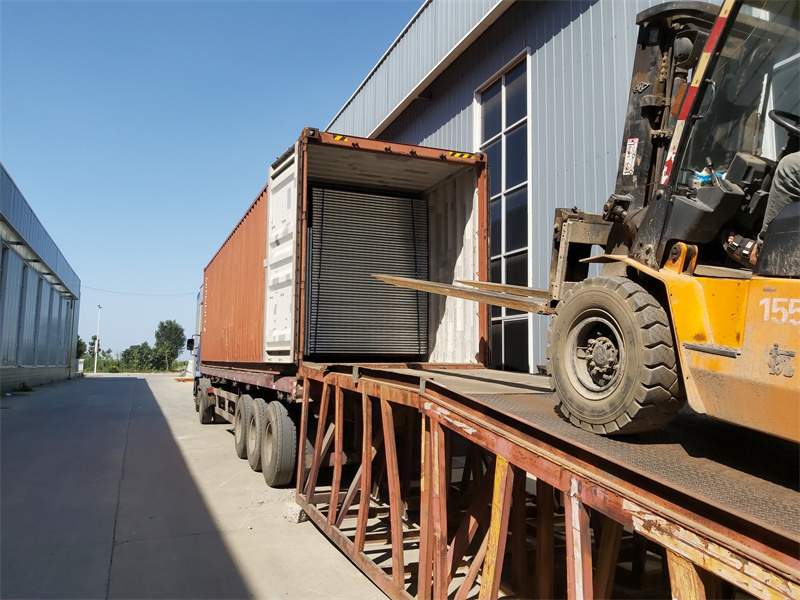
column 294, row 284
column 232, row 314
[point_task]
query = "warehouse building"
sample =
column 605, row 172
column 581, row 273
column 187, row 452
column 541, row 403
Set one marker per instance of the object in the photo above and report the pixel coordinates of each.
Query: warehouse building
column 39, row 297
column 541, row 88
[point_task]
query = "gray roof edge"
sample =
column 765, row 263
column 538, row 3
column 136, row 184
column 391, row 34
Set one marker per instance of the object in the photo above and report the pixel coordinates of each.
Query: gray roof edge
column 69, row 280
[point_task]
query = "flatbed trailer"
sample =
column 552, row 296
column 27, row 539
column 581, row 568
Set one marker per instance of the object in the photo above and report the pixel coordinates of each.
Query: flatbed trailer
column 479, row 488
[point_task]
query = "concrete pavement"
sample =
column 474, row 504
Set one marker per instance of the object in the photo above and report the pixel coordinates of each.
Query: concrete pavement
column 110, row 488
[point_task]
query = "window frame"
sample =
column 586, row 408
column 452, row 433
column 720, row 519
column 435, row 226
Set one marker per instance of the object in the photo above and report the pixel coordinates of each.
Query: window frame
column 506, row 315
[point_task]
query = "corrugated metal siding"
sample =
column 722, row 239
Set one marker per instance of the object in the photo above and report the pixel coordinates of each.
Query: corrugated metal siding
column 580, row 60
column 430, row 36
column 38, row 323
column 233, row 297
column 15, row 210
column 453, row 232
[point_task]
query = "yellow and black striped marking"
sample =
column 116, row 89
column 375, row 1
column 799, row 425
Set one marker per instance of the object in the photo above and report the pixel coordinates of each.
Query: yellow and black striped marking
column 340, row 138
column 461, row 155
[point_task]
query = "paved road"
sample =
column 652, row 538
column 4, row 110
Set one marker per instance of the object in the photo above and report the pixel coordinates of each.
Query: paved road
column 110, row 488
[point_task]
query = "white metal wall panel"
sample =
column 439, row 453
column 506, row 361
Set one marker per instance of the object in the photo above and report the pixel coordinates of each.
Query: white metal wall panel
column 430, row 36
column 27, row 329
column 453, row 246
column 12, row 288
column 38, row 319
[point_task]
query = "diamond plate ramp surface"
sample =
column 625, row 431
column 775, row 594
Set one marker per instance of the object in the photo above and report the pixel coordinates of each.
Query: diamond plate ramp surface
column 737, row 470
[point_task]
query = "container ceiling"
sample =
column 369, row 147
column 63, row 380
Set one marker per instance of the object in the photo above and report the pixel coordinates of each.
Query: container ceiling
column 373, row 170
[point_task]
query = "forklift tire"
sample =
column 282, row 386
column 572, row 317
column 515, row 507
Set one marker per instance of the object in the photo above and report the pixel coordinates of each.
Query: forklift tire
column 255, row 431
column 241, row 419
column 206, row 411
column 611, row 355
column 278, row 446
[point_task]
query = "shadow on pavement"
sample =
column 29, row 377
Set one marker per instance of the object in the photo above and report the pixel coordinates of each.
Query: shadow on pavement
column 97, row 501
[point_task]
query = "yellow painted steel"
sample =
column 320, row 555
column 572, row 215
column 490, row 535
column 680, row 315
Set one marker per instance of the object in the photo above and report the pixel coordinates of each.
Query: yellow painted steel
column 739, row 344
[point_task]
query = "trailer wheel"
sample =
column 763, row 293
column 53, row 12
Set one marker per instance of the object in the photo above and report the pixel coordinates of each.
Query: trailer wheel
column 241, row 419
column 278, row 446
column 205, row 410
column 612, row 359
column 255, row 430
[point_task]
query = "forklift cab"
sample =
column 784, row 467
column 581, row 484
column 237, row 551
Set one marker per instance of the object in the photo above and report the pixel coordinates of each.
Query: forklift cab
column 744, row 121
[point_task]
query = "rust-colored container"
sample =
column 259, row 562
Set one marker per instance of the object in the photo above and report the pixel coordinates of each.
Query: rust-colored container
column 233, row 292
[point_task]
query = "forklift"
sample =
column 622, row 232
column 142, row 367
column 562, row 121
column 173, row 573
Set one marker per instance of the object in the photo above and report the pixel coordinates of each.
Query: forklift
column 713, row 109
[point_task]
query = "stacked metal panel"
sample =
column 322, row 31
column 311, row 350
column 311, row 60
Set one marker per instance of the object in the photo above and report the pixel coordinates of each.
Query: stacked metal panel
column 354, row 235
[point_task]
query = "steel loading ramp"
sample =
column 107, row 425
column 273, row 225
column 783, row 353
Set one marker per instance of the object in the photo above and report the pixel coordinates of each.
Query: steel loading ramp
column 708, row 494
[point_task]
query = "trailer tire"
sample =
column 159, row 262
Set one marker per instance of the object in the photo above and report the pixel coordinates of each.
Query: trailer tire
column 241, row 419
column 205, row 410
column 255, row 430
column 612, row 358
column 278, row 446
column 199, row 386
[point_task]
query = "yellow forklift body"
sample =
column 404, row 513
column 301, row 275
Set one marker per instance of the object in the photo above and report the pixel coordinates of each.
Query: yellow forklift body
column 739, row 343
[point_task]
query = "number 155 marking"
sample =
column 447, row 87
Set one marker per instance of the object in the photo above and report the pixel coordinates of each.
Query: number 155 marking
column 781, row 310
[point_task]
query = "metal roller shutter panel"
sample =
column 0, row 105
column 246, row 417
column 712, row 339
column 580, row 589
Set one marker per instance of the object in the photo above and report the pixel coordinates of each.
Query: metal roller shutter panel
column 354, row 235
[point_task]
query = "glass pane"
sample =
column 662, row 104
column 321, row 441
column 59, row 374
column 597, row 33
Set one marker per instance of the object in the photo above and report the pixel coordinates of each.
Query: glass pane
column 496, row 360
column 517, row 156
column 494, row 158
column 517, row 269
column 516, row 220
column 516, row 96
column 515, row 351
column 491, row 102
column 497, row 232
column 516, row 274
column 496, row 276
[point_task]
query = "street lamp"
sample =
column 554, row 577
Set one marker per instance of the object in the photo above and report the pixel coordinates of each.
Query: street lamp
column 97, row 339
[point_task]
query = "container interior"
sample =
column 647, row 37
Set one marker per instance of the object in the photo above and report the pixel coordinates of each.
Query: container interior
column 388, row 213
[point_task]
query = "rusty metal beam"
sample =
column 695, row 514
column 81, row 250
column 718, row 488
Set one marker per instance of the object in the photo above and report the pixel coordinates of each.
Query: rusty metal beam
column 684, row 578
column 519, row 535
column 441, row 576
column 579, row 546
column 607, row 557
column 425, row 571
column 481, row 498
column 395, row 498
column 366, row 473
column 338, row 451
column 475, row 566
column 498, row 530
column 545, row 539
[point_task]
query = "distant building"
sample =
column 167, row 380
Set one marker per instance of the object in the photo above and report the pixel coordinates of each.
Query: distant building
column 541, row 88
column 39, row 297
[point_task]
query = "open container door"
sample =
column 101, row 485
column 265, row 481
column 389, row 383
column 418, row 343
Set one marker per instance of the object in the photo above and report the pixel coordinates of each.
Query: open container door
column 281, row 261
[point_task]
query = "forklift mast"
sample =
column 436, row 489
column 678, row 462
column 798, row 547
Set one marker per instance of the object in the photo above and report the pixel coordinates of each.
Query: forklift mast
column 695, row 153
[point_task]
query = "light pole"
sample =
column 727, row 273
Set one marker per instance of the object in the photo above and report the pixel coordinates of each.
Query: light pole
column 97, row 339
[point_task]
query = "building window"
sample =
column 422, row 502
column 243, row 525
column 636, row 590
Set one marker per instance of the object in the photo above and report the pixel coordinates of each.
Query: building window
column 504, row 140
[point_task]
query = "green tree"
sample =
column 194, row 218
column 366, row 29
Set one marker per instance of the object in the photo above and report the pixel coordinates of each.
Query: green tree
column 170, row 341
column 140, row 357
column 80, row 348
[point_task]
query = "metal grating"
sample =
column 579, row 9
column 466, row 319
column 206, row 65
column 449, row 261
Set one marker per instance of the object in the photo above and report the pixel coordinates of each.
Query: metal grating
column 354, row 235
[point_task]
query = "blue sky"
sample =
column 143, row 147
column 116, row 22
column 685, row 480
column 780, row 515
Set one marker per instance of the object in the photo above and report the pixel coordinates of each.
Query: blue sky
column 140, row 132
